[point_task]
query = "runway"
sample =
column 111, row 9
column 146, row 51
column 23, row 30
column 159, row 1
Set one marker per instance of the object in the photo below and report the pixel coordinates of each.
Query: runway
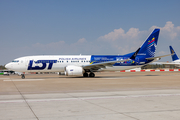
column 108, row 96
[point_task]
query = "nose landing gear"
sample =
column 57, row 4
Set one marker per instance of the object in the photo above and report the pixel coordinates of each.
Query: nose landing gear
column 22, row 76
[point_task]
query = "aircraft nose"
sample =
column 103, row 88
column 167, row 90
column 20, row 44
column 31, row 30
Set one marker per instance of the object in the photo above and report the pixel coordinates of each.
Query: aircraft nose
column 8, row 66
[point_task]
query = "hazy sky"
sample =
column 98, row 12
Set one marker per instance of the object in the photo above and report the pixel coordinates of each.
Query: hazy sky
column 36, row 27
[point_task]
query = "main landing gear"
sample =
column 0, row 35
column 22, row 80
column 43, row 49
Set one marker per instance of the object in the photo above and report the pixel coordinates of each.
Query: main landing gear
column 91, row 74
column 85, row 74
column 22, row 76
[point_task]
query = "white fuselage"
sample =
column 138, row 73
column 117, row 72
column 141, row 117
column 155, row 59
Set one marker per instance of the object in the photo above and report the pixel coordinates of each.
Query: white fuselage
column 55, row 63
column 176, row 62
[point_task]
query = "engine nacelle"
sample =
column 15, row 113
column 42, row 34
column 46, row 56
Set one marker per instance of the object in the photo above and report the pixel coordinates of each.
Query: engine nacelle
column 73, row 70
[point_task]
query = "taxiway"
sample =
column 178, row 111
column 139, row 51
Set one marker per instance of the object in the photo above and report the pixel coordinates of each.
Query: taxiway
column 108, row 96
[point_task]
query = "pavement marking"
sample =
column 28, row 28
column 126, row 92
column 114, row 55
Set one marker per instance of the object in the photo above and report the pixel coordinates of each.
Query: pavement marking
column 89, row 98
column 115, row 78
column 23, row 80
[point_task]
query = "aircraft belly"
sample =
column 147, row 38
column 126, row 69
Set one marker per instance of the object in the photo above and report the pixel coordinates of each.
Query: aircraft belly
column 118, row 68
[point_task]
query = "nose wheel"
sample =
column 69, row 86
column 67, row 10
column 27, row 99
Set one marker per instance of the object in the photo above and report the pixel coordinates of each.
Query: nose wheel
column 22, row 76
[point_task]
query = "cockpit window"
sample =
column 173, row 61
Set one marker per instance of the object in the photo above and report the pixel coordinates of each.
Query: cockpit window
column 15, row 61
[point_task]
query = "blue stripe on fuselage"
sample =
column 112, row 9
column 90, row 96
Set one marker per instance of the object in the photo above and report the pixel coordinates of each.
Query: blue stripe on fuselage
column 105, row 58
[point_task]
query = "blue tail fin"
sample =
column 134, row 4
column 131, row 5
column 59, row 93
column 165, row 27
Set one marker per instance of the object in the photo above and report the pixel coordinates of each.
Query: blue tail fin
column 174, row 56
column 148, row 48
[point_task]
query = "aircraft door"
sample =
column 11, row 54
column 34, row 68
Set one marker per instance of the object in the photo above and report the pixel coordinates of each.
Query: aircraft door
column 26, row 63
column 137, row 60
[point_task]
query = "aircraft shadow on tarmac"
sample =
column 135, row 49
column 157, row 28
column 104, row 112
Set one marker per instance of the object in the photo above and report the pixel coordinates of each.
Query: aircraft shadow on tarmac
column 152, row 75
column 96, row 77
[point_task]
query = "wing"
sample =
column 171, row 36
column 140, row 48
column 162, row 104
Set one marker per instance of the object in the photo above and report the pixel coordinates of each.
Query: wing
column 97, row 66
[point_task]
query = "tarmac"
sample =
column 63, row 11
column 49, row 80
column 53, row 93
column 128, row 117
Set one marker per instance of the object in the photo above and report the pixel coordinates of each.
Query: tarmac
column 108, row 96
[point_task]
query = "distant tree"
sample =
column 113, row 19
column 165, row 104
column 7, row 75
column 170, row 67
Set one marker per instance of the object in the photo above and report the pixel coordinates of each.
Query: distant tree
column 149, row 66
column 2, row 67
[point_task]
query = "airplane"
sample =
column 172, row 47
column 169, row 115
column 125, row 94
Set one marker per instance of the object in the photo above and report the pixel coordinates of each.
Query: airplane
column 175, row 59
column 87, row 65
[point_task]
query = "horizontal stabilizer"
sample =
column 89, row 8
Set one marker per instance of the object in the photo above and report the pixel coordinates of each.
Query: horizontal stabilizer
column 152, row 58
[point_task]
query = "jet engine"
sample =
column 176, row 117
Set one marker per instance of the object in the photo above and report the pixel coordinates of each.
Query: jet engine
column 73, row 70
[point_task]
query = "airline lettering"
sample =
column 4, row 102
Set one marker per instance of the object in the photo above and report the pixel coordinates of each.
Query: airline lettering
column 41, row 64
column 72, row 58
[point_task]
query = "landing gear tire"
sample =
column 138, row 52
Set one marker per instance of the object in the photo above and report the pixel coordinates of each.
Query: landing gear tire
column 23, row 76
column 91, row 75
column 85, row 75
